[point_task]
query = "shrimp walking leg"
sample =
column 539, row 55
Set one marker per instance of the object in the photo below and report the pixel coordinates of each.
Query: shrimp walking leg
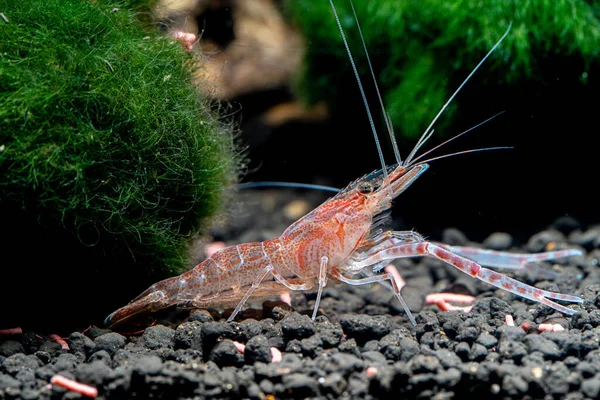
column 292, row 286
column 472, row 268
column 254, row 285
column 383, row 240
column 280, row 279
column 377, row 279
column 484, row 257
column 322, row 283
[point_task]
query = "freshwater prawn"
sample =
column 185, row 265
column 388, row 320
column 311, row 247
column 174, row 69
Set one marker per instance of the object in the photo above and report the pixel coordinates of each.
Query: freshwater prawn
column 343, row 240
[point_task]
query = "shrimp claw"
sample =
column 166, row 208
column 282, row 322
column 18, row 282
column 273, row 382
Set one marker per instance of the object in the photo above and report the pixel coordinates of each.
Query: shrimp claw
column 468, row 266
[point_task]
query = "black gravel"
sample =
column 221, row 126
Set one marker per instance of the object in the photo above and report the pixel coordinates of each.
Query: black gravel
column 361, row 344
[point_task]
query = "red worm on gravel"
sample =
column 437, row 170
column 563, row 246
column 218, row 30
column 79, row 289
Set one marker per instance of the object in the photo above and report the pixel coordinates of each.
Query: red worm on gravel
column 55, row 338
column 391, row 269
column 11, row 331
column 241, row 347
column 551, row 328
column 441, row 300
column 509, row 320
column 275, row 353
column 525, row 325
column 286, row 297
column 74, row 386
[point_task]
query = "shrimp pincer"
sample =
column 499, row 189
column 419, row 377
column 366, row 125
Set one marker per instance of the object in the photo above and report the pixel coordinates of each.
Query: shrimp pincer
column 343, row 239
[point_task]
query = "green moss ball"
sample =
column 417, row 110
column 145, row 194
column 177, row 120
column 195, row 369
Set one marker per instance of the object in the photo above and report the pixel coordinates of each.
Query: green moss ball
column 109, row 157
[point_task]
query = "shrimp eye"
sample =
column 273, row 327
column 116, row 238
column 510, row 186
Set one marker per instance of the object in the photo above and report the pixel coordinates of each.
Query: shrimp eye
column 365, row 188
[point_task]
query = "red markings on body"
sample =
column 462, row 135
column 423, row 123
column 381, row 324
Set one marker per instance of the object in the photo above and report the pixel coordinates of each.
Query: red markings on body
column 442, row 255
column 475, row 268
column 494, row 276
column 340, row 232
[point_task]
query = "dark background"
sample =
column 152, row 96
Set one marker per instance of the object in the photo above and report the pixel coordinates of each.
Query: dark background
column 549, row 172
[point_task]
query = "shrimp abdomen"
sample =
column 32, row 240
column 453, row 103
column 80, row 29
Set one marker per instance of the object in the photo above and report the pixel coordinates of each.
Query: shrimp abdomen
column 221, row 279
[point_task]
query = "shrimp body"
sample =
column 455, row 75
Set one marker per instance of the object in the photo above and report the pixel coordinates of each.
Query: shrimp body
column 336, row 231
column 217, row 280
column 341, row 239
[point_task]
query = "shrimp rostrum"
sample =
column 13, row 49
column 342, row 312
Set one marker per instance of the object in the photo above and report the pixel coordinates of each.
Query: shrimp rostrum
column 342, row 239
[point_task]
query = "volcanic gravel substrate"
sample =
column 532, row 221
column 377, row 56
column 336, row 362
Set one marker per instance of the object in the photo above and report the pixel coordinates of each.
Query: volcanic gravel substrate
column 361, row 344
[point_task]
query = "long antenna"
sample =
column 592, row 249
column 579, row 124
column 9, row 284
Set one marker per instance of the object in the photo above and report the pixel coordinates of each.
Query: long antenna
column 252, row 185
column 456, row 137
column 426, row 135
column 467, row 152
column 386, row 117
column 362, row 92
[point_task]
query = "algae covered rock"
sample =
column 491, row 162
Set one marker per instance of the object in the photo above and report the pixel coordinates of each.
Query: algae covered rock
column 109, row 158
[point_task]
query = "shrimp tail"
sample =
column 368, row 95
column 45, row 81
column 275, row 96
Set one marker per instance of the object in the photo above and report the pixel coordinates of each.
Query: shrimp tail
column 159, row 296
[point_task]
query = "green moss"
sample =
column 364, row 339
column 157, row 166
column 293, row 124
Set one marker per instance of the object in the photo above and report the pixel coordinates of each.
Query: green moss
column 422, row 50
column 103, row 134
